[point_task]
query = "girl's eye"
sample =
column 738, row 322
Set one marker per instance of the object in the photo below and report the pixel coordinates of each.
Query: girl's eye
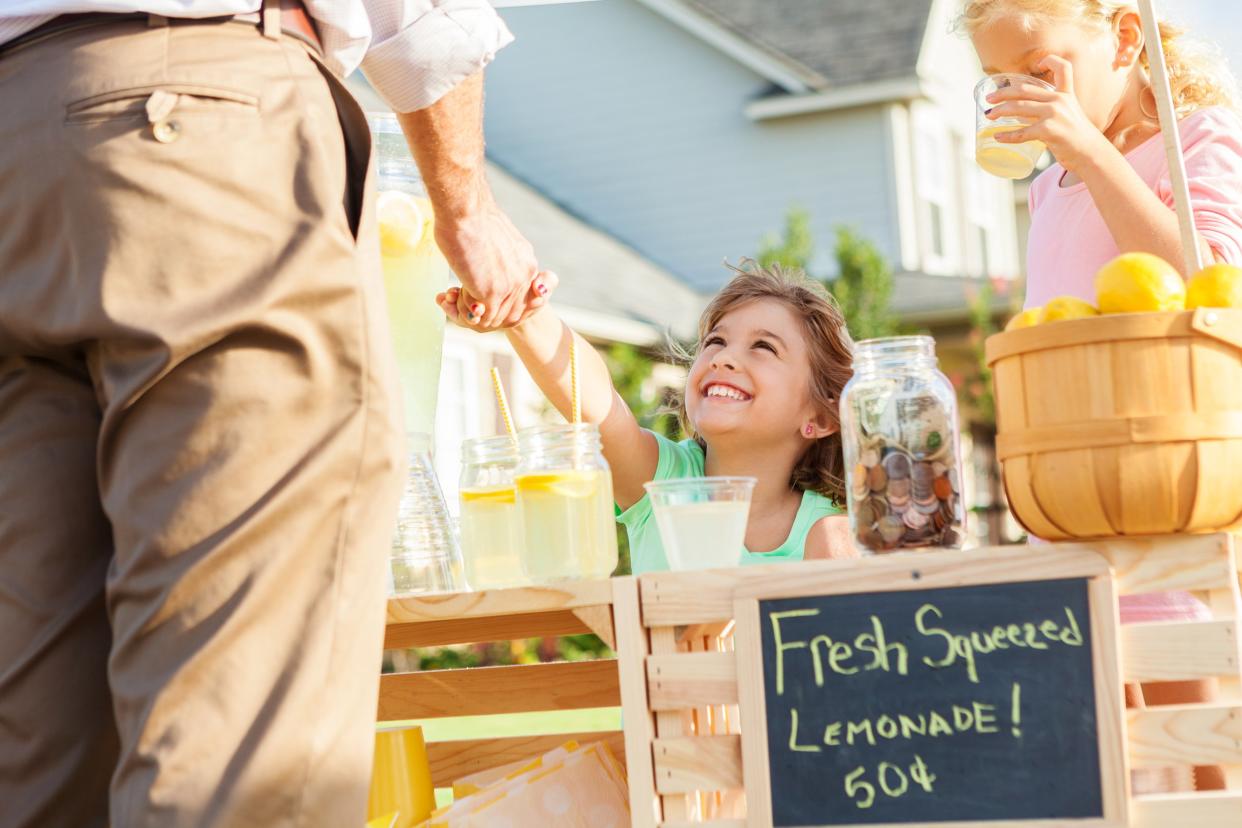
column 762, row 344
column 712, row 340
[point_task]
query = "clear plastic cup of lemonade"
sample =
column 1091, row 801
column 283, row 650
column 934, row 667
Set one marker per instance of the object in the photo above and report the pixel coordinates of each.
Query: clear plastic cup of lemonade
column 702, row 520
column 1014, row 161
column 565, row 504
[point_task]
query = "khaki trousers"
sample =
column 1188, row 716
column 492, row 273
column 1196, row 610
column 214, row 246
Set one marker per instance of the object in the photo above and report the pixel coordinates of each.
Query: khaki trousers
column 199, row 437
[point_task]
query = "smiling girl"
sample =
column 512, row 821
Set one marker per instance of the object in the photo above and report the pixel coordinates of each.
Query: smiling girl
column 760, row 400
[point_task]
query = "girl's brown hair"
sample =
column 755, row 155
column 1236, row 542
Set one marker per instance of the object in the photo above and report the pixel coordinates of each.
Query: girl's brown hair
column 822, row 467
column 1199, row 78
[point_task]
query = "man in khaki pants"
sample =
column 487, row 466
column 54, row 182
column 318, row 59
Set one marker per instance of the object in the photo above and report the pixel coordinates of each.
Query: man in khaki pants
column 200, row 449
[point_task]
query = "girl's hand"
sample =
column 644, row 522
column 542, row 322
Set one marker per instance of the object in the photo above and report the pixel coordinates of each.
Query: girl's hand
column 453, row 300
column 1057, row 118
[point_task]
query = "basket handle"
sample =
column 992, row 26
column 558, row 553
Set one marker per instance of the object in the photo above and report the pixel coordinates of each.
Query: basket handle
column 1175, row 428
column 1193, row 261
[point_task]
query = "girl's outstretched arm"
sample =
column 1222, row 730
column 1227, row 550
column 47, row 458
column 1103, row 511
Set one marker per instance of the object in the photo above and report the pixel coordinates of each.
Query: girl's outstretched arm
column 542, row 342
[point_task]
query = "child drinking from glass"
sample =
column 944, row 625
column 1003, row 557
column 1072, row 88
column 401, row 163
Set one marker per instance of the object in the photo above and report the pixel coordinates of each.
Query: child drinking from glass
column 1109, row 192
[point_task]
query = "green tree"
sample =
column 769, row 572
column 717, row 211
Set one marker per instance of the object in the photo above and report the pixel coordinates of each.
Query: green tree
column 864, row 284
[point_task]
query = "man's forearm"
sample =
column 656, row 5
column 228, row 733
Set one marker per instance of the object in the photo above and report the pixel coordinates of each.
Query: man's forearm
column 446, row 140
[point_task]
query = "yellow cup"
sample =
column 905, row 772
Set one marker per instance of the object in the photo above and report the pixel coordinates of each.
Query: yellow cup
column 401, row 777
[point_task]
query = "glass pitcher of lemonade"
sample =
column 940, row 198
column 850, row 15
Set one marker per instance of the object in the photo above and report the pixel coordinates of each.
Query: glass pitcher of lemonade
column 491, row 536
column 414, row 272
column 1015, row 161
column 564, row 498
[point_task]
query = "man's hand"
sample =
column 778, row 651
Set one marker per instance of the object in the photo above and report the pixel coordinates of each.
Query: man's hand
column 495, row 263
column 496, row 266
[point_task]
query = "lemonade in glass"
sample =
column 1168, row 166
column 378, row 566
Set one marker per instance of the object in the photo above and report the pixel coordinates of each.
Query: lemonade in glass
column 565, row 503
column 1014, row 161
column 414, row 272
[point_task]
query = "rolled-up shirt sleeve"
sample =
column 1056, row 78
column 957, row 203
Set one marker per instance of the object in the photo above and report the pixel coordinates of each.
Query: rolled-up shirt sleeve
column 421, row 49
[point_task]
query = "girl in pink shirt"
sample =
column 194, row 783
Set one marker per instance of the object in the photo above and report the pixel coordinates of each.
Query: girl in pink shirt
column 1109, row 192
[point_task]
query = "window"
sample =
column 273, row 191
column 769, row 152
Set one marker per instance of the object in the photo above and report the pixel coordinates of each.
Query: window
column 934, row 159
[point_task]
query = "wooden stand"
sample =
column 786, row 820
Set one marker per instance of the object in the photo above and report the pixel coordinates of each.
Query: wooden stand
column 676, row 675
column 500, row 615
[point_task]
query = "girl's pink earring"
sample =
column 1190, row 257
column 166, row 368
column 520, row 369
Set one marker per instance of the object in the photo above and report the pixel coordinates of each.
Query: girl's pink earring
column 809, row 431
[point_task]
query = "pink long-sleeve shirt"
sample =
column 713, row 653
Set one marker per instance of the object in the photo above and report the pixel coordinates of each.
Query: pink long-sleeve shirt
column 1069, row 242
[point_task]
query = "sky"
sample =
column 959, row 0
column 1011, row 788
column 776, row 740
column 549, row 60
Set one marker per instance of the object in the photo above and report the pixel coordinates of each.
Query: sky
column 1218, row 21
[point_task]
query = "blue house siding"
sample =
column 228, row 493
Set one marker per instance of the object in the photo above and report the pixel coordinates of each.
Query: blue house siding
column 637, row 127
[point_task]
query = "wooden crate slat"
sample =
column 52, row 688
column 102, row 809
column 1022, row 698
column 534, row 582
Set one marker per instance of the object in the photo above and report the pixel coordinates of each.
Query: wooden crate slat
column 480, row 630
column 519, row 600
column 639, row 721
column 451, row 760
column 1190, row 734
column 1165, row 564
column 1175, row 651
column 487, row 690
column 711, row 823
column 1216, row 809
column 685, row 764
column 677, row 682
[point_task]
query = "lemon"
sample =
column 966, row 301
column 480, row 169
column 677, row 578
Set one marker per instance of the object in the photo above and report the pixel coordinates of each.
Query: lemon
column 1066, row 307
column 497, row 495
column 1216, row 286
column 1139, row 283
column 572, row 484
column 1027, row 319
column 403, row 220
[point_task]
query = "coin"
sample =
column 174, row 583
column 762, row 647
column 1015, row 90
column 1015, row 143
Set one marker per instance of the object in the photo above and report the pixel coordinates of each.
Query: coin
column 898, row 488
column 897, row 465
column 891, row 529
column 927, row 507
column 877, row 479
column 864, row 514
column 942, row 488
column 870, row 457
column 915, row 519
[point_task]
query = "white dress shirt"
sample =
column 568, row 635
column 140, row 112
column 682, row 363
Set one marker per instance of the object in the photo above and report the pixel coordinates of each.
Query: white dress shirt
column 412, row 51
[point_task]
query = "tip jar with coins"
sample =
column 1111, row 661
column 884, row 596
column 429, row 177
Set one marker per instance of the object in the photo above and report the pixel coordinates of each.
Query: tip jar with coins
column 902, row 456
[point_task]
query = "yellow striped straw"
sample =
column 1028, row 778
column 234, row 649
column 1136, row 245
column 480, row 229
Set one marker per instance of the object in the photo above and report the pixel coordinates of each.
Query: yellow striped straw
column 503, row 402
column 574, row 391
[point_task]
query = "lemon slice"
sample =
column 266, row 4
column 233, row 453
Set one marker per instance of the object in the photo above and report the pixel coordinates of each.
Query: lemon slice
column 495, row 496
column 571, row 484
column 402, row 222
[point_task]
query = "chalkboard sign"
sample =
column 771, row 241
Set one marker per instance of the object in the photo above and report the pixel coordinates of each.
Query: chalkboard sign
column 959, row 704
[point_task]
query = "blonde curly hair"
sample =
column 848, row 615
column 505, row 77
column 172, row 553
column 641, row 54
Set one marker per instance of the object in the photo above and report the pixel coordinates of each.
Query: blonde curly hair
column 1198, row 74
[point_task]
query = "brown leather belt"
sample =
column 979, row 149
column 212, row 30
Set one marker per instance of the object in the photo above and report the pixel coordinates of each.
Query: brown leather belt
column 294, row 21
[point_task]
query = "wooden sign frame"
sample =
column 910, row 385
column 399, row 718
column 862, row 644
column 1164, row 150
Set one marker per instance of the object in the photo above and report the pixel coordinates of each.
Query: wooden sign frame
column 941, row 570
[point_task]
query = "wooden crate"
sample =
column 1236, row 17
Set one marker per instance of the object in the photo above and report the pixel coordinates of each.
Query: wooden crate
column 500, row 615
column 683, row 705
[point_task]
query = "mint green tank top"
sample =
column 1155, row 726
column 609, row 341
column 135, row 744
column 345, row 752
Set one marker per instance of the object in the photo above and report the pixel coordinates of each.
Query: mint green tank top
column 686, row 459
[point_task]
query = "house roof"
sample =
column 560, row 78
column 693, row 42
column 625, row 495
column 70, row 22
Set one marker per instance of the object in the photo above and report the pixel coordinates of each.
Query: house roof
column 841, row 42
column 607, row 289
